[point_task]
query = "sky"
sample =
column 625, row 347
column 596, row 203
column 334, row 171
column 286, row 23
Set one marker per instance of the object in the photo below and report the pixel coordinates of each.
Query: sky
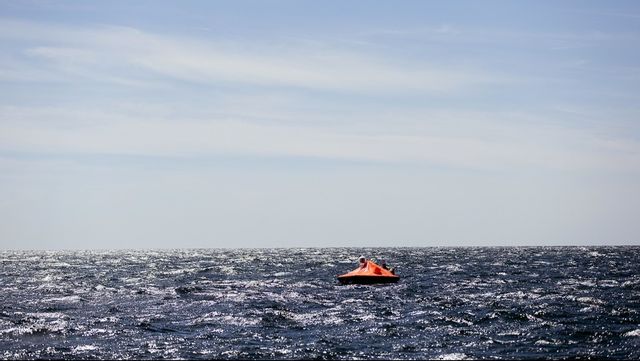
column 175, row 124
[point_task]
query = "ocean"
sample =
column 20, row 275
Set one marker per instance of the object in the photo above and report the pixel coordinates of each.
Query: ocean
column 450, row 303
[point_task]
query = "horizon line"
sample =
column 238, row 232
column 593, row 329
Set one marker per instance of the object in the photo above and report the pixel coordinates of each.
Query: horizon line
column 312, row 247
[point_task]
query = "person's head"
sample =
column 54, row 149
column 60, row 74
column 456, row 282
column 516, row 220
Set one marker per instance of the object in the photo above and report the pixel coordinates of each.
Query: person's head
column 361, row 259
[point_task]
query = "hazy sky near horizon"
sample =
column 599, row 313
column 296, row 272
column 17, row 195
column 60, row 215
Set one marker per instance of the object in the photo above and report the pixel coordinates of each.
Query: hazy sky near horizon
column 157, row 124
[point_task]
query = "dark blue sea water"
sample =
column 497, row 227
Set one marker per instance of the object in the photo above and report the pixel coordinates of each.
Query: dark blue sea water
column 451, row 303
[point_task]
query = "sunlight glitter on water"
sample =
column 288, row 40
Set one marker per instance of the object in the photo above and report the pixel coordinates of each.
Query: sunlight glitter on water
column 278, row 303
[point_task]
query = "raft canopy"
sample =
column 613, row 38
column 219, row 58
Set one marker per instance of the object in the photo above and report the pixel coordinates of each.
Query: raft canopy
column 371, row 273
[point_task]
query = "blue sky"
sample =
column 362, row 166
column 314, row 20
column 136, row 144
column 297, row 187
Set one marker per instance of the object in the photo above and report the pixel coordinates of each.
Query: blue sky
column 155, row 124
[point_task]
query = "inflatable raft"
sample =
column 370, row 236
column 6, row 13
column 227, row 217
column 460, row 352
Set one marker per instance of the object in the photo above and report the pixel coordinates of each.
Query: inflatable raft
column 370, row 274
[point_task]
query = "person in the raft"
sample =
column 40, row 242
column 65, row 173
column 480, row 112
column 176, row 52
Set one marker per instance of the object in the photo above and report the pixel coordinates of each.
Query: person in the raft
column 383, row 264
column 363, row 262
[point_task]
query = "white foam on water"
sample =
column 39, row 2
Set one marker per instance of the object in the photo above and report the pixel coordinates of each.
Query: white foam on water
column 239, row 321
column 365, row 317
column 418, row 313
column 130, row 280
column 181, row 271
column 65, row 299
column 18, row 331
column 588, row 283
column 589, row 309
column 459, row 321
column 452, row 356
column 542, row 342
column 306, row 285
column 608, row 283
column 634, row 333
column 48, row 315
column 85, row 348
column 60, row 264
column 282, row 351
column 153, row 290
column 40, row 326
column 518, row 295
column 316, row 318
column 453, row 268
column 100, row 287
column 111, row 319
column 590, row 300
column 510, row 333
column 225, row 319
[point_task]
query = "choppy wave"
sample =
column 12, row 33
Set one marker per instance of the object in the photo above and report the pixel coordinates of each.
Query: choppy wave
column 451, row 303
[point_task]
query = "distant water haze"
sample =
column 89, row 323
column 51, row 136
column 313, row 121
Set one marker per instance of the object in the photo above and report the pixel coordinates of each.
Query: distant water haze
column 358, row 205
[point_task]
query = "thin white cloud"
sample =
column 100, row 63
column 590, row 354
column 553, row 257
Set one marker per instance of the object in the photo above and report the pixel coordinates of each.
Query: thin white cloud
column 126, row 56
column 496, row 145
column 117, row 53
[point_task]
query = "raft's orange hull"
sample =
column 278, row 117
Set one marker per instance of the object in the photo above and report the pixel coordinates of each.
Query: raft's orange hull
column 370, row 274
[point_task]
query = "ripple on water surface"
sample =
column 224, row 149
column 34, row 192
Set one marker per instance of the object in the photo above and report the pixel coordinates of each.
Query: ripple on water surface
column 451, row 303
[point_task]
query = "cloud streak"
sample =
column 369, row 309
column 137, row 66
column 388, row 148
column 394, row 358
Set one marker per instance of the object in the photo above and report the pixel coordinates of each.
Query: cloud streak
column 121, row 53
column 153, row 133
column 131, row 58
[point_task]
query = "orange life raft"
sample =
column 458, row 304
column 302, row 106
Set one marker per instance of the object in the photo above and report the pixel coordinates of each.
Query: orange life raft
column 369, row 274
